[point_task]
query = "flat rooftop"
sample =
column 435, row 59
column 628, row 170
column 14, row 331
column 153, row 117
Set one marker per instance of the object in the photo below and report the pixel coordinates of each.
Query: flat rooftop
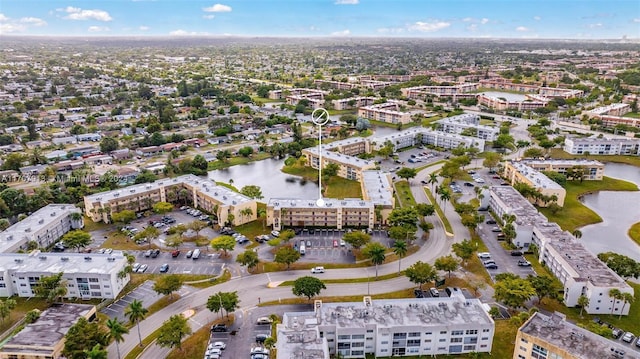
column 425, row 312
column 53, row 324
column 56, row 262
column 577, row 341
column 561, row 162
column 39, row 220
column 278, row 203
column 410, row 132
column 378, row 187
column 525, row 212
column 603, row 140
column 340, row 158
column 537, row 178
column 298, row 337
column 345, row 142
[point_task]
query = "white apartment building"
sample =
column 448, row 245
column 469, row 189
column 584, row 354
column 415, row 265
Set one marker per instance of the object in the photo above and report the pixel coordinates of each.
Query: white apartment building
column 593, row 170
column 419, row 92
column 579, row 271
column 601, row 146
column 507, row 200
column 392, row 327
column 349, row 167
column 88, row 275
column 421, row 135
column 228, row 205
column 465, row 122
column 615, row 109
column 385, row 112
column 518, row 172
column 552, row 336
column 45, row 226
column 349, row 146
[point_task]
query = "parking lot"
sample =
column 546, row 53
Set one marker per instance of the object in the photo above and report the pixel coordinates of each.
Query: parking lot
column 503, row 259
column 208, row 263
column 143, row 293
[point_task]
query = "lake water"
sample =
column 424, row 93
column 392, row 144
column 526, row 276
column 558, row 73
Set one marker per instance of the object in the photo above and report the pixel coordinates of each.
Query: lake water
column 619, row 210
column 268, row 175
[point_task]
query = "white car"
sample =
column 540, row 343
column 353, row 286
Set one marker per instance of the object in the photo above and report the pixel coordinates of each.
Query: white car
column 317, row 270
column 214, row 351
column 263, row 320
column 484, row 255
column 275, row 233
column 218, row 345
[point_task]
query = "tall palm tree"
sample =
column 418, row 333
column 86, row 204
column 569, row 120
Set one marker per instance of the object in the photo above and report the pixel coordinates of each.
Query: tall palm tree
column 135, row 312
column 615, row 294
column 577, row 233
column 445, row 195
column 116, row 331
column 433, row 179
column 400, row 249
column 96, row 352
column 375, row 252
column 626, row 298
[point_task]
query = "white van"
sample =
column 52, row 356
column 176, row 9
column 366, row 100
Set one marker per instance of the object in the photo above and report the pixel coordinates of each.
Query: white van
column 303, row 249
column 196, row 254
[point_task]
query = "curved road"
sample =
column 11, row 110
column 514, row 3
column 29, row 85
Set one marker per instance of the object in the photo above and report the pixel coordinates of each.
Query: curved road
column 252, row 287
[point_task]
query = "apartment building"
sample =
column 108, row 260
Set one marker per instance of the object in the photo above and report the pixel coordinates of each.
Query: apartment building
column 601, row 146
column 45, row 338
column 518, row 172
column 336, row 84
column 350, row 146
column 314, row 98
column 335, row 213
column 504, row 84
column 612, row 121
column 507, row 200
column 352, row 102
column 392, row 327
column 560, row 92
column 377, row 187
column 552, row 336
column 87, row 275
column 467, row 123
column 593, row 170
column 419, row 92
column 579, row 271
column 388, row 112
column 502, row 104
column 349, row 167
column 420, row 135
column 45, row 227
column 615, row 109
column 229, row 206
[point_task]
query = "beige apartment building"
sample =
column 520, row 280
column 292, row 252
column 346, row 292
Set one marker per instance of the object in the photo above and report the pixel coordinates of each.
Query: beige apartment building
column 502, row 104
column 229, row 206
column 517, row 172
column 553, row 337
column 385, row 112
column 335, row 213
column 352, row 102
column 349, row 167
column 593, row 170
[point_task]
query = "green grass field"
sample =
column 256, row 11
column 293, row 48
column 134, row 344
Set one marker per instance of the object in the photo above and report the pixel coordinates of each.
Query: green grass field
column 634, row 233
column 338, row 187
column 445, row 221
column 404, row 195
column 574, row 214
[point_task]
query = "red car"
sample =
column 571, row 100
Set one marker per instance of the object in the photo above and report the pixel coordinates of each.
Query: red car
column 335, row 243
column 175, row 253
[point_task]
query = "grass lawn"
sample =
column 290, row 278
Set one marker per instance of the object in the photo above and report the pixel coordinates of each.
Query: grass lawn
column 338, row 187
column 302, row 171
column 632, row 115
column 634, row 232
column 195, row 345
column 404, row 195
column 23, row 305
column 630, row 160
column 574, row 214
column 239, row 160
column 445, row 221
column 392, row 125
column 118, row 240
column 90, row 225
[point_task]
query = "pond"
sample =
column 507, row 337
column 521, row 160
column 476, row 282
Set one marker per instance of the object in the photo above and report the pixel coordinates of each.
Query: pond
column 268, row 175
column 619, row 210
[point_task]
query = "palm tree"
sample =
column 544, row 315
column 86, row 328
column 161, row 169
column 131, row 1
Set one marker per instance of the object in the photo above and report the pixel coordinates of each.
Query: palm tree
column 626, row 298
column 96, row 352
column 375, row 252
column 400, row 249
column 116, row 330
column 444, row 197
column 616, row 294
column 135, row 312
column 583, row 301
column 262, row 213
column 577, row 233
column 433, row 179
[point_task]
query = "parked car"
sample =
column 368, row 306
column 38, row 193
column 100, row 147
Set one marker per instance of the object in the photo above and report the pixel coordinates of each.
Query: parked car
column 491, row 266
column 496, row 229
column 142, row 268
column 175, row 253
column 342, row 243
column 135, row 266
column 317, row 270
column 148, row 252
column 524, row 263
column 219, row 345
column 260, row 338
column 189, row 253
column 516, row 253
column 275, row 233
column 628, row 337
column 469, row 184
column 484, row 255
column 491, row 221
column 638, row 343
column 164, row 268
column 219, row 328
column 434, row 292
column 263, row 320
column 487, row 262
column 155, row 253
column 335, row 243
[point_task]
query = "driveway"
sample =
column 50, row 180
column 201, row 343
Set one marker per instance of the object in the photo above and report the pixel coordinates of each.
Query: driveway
column 143, row 293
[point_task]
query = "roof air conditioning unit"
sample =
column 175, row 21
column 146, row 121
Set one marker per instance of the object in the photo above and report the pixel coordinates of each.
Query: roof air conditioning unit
column 64, row 259
column 111, row 259
column 87, row 259
column 43, row 258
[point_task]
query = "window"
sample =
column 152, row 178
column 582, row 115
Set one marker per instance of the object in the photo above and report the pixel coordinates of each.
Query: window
column 344, row 337
column 357, row 352
column 443, row 332
column 369, row 338
column 472, row 331
column 357, row 336
column 428, row 333
column 469, row 347
column 485, row 330
column 357, row 345
column 523, row 349
column 457, row 332
column 384, row 342
column 455, row 349
column 427, row 340
column 93, row 280
column 538, row 352
column 524, row 340
column 456, row 340
column 442, row 340
column 413, row 343
column 484, row 338
column 399, row 335
column 369, row 330
column 414, row 334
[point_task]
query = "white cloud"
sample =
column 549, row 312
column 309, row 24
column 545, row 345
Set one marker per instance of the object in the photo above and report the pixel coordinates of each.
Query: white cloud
column 33, row 21
column 429, row 26
column 181, row 32
column 143, row 28
column 537, row 18
column 76, row 13
column 217, row 8
column 97, row 29
column 347, row 2
column 484, row 20
column 9, row 25
column 472, row 27
column 636, row 19
column 3, row 17
column 208, row 17
column 521, row 29
column 467, row 19
column 341, row 33
column 390, row 30
column 595, row 26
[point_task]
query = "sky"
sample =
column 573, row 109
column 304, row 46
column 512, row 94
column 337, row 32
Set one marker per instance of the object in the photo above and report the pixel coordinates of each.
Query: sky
column 564, row 19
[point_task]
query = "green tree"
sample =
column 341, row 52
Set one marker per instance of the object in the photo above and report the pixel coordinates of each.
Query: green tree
column 123, row 217
column 583, row 301
column 248, row 258
column 464, row 250
column 172, row 331
column 400, row 249
column 375, row 252
column 32, row 316
column 624, row 266
column 224, row 243
column 96, row 352
column 356, row 239
column 403, row 217
column 626, row 298
column 108, row 144
column 421, row 273
column 162, row 207
column 433, row 180
column 51, row 287
column 544, row 286
column 406, row 173
column 307, row 286
column 6, row 306
column 286, row 255
column 534, row 152
column 245, row 151
column 491, row 159
column 425, row 209
column 116, row 332
column 136, row 312
column 614, row 294
column 227, row 301
column 513, row 292
column 76, row 239
column 252, row 191
column 167, row 284
column 14, row 161
column 445, row 196
column 330, row 170
column 83, row 335
column 447, row 263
